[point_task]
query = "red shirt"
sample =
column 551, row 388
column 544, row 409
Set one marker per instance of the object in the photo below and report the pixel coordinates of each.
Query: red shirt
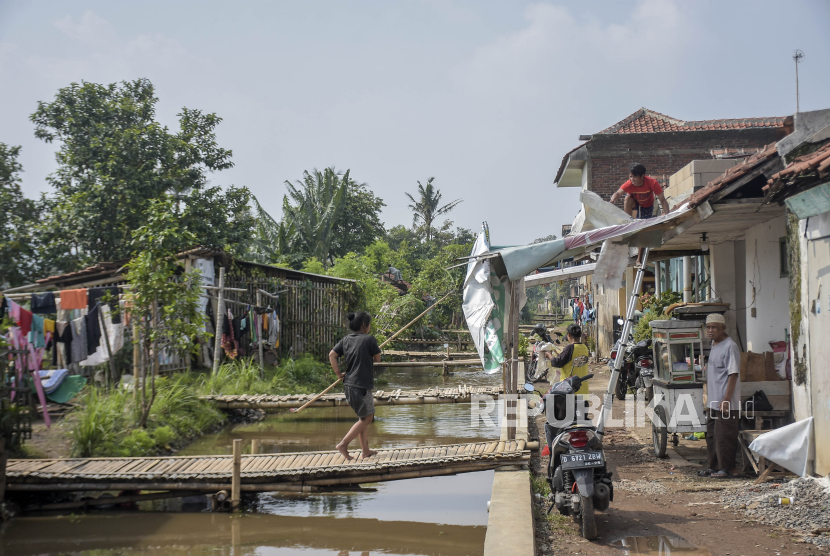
column 643, row 195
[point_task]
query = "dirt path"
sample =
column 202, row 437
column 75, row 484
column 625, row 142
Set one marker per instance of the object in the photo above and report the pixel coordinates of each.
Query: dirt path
column 659, row 497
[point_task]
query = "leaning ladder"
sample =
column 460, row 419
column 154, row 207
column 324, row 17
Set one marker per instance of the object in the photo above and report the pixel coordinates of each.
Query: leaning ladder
column 624, row 342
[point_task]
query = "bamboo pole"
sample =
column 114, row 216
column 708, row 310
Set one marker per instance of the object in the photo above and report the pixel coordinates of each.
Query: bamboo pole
column 107, row 343
column 220, row 309
column 258, row 319
column 392, row 337
column 236, row 479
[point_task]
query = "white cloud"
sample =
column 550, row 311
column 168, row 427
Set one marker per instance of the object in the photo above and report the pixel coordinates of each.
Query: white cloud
column 89, row 29
column 556, row 53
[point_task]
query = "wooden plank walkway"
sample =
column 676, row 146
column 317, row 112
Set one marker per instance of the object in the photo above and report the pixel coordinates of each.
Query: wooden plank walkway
column 301, row 471
column 405, row 353
column 458, row 394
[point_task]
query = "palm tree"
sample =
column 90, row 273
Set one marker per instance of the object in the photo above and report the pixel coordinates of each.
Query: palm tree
column 426, row 209
column 307, row 224
column 264, row 245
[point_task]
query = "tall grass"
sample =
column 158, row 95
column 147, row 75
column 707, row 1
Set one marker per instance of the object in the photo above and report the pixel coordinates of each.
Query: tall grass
column 105, row 422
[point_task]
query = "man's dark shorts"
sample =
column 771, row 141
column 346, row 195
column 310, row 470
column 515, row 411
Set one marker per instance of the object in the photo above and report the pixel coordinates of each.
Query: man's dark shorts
column 645, row 212
column 360, row 399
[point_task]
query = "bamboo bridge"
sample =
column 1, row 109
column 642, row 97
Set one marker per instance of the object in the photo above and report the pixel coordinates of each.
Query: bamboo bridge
column 292, row 472
column 457, row 394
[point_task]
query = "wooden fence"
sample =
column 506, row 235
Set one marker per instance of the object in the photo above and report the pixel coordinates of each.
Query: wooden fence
column 312, row 314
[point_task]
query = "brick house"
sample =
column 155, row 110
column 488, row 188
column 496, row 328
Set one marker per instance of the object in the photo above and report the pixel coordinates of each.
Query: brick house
column 664, row 145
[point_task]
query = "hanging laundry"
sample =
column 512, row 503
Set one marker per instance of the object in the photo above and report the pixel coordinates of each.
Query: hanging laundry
column 78, row 345
column 115, row 334
column 44, row 303
column 274, row 331
column 3, row 306
column 35, row 335
column 228, row 342
column 93, row 330
column 73, row 299
column 24, row 320
column 94, row 295
column 63, row 347
column 48, row 325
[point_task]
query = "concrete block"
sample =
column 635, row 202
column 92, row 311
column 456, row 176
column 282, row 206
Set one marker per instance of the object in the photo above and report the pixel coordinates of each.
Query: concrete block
column 510, row 523
column 717, row 165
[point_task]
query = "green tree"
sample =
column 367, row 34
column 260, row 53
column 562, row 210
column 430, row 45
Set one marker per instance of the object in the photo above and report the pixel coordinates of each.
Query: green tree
column 18, row 262
column 310, row 212
column 165, row 299
column 115, row 158
column 426, row 209
column 358, row 224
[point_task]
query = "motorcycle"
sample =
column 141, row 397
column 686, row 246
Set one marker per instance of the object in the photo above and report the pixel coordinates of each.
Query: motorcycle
column 636, row 358
column 579, row 480
column 538, row 367
column 644, row 368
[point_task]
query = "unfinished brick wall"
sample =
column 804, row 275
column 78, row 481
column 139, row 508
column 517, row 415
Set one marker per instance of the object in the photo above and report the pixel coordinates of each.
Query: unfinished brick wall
column 663, row 154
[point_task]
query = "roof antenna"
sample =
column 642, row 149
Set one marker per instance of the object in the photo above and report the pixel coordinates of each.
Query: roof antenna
column 798, row 55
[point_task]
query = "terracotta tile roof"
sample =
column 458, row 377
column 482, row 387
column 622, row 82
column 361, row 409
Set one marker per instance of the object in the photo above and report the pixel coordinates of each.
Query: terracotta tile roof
column 813, row 165
column 649, row 121
column 748, row 165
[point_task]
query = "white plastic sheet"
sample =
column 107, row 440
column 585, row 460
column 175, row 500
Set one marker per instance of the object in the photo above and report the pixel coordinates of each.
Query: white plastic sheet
column 478, row 305
column 613, row 260
column 791, row 447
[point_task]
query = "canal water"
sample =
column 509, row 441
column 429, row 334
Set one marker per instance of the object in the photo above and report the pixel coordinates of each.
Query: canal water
column 427, row 516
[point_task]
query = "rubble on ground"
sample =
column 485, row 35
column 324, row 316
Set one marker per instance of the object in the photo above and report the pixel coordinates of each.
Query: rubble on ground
column 808, row 513
column 640, row 486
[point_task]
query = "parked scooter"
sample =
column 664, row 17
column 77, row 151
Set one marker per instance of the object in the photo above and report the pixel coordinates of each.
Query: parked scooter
column 577, row 474
column 539, row 366
column 644, row 368
column 637, row 358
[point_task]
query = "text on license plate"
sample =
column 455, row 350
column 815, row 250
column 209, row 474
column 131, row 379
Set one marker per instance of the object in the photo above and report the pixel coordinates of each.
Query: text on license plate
column 584, row 459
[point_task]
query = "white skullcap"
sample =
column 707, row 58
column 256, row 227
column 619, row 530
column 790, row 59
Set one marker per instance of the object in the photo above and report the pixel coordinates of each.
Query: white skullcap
column 715, row 317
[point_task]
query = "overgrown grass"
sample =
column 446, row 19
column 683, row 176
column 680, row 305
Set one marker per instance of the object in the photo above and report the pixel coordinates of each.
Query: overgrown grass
column 105, row 422
column 558, row 522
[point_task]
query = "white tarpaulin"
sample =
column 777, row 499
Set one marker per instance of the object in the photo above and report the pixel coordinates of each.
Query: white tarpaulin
column 613, row 260
column 481, row 290
column 791, row 447
column 597, row 213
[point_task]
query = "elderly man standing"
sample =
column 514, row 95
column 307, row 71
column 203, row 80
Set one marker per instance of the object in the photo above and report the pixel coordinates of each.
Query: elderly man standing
column 723, row 385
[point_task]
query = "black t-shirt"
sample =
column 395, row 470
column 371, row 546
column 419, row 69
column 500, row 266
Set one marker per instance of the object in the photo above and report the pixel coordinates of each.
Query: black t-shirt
column 358, row 350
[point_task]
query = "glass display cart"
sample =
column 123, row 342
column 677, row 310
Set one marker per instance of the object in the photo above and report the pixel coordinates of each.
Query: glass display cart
column 678, row 348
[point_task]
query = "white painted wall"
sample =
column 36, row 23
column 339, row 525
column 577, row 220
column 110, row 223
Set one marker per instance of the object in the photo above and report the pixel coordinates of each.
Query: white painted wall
column 722, row 264
column 766, row 291
column 816, row 310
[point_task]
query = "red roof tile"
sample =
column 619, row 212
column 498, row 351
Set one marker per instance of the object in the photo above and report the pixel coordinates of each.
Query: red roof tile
column 649, row 121
column 732, row 174
column 813, row 165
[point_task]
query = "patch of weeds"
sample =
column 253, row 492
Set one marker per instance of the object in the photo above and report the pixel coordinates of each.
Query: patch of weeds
column 558, row 523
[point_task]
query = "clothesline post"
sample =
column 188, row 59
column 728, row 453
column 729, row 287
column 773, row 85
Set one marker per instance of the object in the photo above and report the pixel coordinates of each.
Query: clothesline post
column 107, row 343
column 258, row 319
column 220, row 312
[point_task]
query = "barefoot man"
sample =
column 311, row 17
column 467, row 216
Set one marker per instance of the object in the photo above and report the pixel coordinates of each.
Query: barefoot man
column 360, row 351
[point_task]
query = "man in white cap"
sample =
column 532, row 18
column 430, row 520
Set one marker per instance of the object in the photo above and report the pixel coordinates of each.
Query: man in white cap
column 723, row 386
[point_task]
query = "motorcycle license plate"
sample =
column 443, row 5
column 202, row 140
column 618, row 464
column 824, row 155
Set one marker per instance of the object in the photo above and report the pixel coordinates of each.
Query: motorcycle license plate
column 582, row 460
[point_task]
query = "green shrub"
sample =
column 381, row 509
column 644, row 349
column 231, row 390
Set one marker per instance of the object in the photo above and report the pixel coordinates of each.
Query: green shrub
column 164, row 436
column 642, row 331
column 137, row 443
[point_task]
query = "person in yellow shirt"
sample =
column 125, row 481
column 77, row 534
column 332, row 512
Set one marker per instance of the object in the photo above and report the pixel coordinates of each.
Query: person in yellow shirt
column 573, row 360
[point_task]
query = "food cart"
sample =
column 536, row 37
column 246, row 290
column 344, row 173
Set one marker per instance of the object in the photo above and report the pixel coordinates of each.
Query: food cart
column 678, row 381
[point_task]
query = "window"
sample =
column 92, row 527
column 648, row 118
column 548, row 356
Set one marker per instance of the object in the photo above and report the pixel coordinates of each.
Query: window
column 784, row 257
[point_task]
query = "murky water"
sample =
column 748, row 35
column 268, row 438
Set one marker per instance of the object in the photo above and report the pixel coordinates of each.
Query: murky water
column 435, row 515
column 659, row 545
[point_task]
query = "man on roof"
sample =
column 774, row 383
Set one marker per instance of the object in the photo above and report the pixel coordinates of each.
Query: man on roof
column 639, row 192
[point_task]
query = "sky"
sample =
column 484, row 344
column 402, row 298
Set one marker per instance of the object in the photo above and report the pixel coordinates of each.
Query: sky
column 484, row 96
